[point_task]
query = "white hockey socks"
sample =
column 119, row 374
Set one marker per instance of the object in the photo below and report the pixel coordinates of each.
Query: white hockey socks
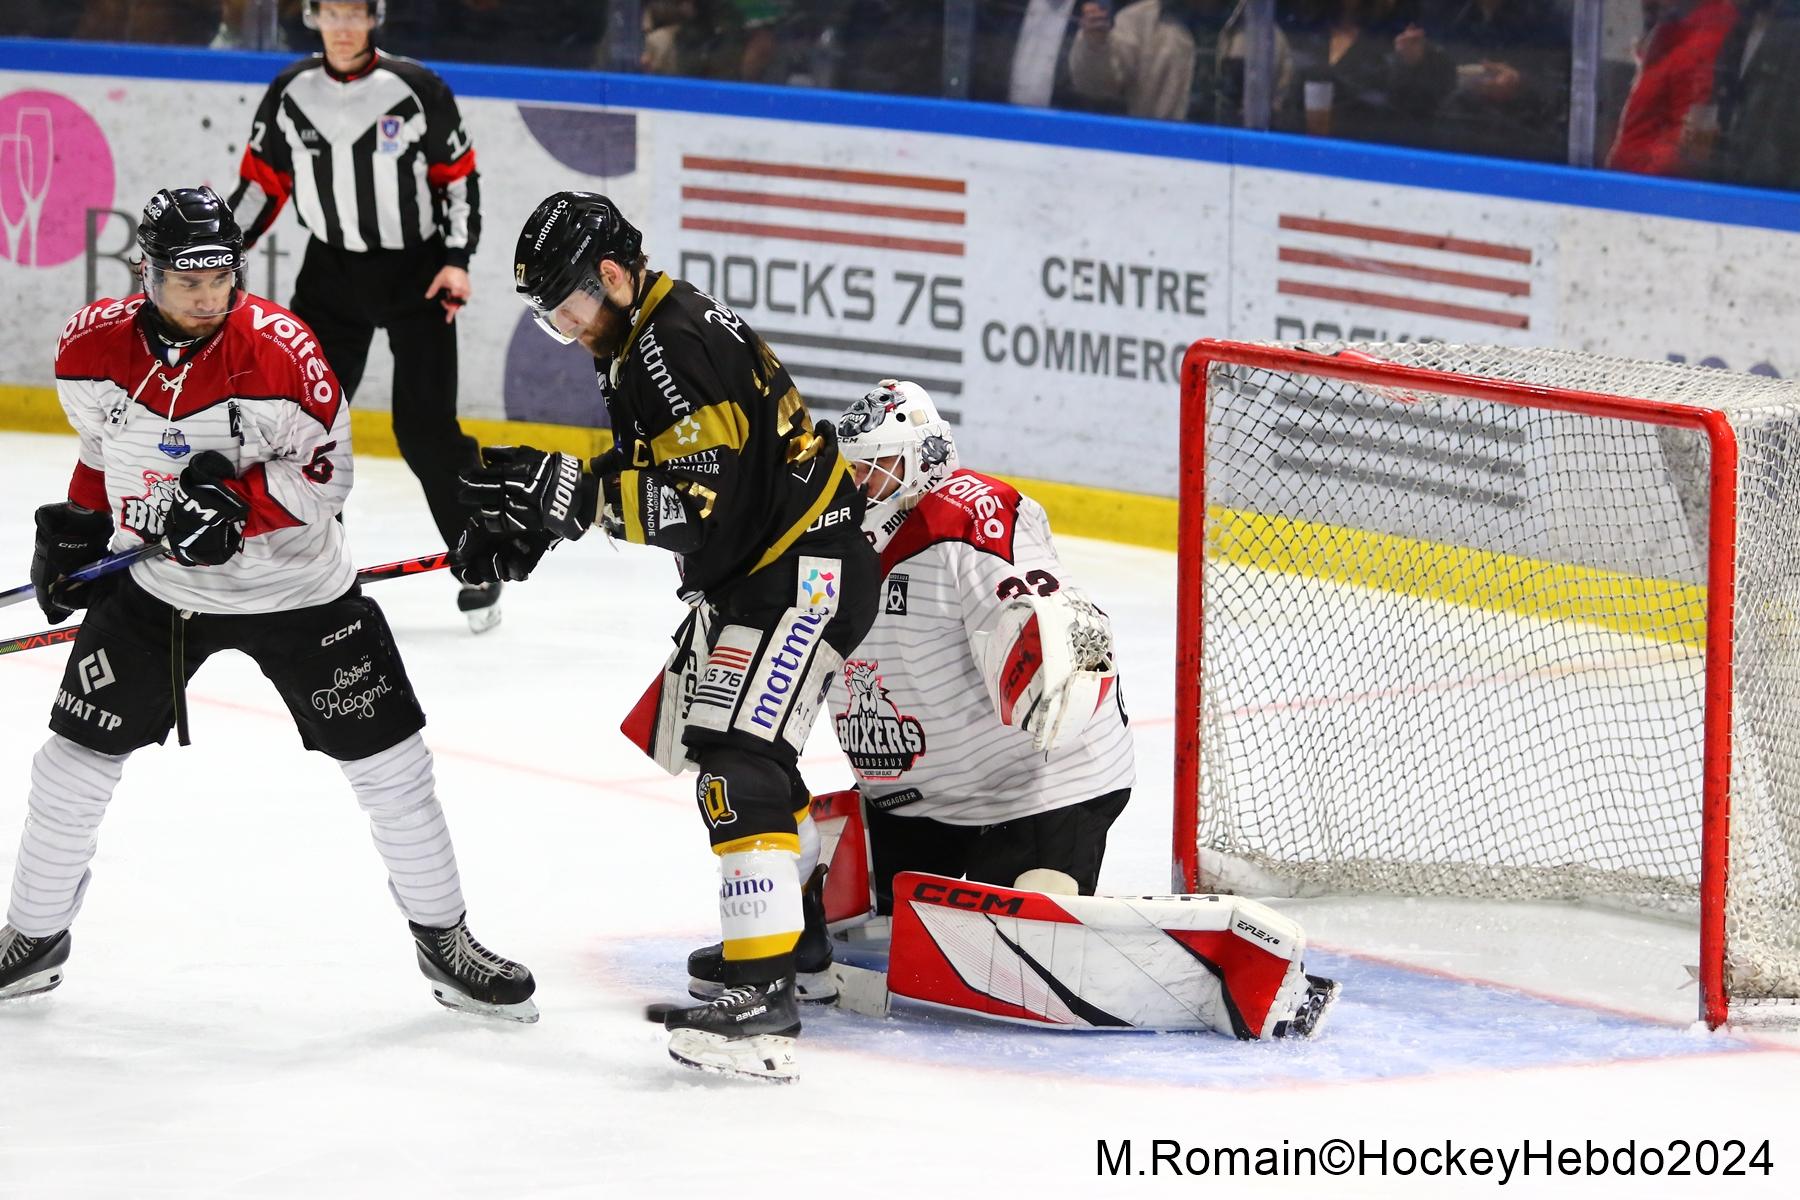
column 396, row 788
column 70, row 788
column 808, row 831
column 759, row 903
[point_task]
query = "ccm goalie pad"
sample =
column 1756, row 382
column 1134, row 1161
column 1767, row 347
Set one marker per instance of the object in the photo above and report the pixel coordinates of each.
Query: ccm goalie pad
column 1221, row 963
column 655, row 722
column 1048, row 663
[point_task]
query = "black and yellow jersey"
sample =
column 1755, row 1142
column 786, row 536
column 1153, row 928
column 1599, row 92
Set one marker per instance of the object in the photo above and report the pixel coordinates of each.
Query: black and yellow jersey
column 723, row 462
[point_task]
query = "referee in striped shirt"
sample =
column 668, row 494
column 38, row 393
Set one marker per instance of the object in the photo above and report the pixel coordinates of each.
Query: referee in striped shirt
column 372, row 151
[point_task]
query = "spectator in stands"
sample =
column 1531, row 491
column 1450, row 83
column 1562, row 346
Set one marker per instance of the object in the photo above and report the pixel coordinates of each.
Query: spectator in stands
column 39, row 18
column 1757, row 87
column 1022, row 55
column 160, row 22
column 1509, row 94
column 1173, row 60
column 892, row 46
column 697, row 38
column 1676, row 57
column 1346, row 71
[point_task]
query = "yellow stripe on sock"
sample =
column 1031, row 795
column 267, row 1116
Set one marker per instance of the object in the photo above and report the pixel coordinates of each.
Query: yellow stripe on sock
column 760, row 841
column 767, row 946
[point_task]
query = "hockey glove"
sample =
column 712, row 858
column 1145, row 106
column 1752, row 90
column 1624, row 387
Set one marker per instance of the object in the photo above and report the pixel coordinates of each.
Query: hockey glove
column 204, row 526
column 483, row 557
column 519, row 489
column 1049, row 665
column 68, row 537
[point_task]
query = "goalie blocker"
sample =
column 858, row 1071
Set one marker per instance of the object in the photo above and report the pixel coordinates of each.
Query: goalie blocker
column 1167, row 963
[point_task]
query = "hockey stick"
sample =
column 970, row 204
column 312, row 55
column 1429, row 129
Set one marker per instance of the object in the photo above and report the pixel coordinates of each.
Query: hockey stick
column 94, row 570
column 393, row 570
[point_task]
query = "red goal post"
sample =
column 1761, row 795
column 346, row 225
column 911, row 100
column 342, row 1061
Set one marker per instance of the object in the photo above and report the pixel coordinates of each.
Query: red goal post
column 1465, row 621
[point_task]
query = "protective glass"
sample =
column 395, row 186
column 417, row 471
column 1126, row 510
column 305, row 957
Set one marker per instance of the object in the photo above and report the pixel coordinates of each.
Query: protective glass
column 193, row 298
column 566, row 321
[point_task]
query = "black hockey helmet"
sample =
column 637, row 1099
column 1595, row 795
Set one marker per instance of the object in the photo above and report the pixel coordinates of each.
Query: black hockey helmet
column 310, row 18
column 190, row 230
column 561, row 247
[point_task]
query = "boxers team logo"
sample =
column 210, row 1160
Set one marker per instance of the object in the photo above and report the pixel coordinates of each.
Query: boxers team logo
column 879, row 740
column 94, row 672
column 143, row 515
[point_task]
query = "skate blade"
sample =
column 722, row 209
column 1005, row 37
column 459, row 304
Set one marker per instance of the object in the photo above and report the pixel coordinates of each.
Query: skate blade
column 32, row 985
column 525, row 1012
column 767, row 1058
column 810, row 987
column 483, row 619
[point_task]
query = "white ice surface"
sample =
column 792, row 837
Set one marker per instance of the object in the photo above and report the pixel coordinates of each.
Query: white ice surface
column 242, row 1016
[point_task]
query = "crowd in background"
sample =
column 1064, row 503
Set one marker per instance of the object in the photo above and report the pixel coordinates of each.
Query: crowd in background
column 1703, row 89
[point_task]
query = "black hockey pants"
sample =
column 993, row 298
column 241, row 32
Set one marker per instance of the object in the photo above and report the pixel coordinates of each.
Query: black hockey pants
column 345, row 295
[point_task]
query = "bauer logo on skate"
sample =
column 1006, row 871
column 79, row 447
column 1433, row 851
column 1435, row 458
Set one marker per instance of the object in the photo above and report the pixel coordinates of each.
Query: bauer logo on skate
column 352, row 692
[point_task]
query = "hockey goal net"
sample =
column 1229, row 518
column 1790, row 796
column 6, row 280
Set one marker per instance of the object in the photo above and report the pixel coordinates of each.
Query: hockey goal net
column 1493, row 622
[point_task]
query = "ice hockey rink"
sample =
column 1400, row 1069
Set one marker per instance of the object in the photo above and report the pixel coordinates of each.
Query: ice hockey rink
column 242, row 1016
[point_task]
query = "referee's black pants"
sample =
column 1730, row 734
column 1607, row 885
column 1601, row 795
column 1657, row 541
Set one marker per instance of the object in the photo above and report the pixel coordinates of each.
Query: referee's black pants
column 345, row 295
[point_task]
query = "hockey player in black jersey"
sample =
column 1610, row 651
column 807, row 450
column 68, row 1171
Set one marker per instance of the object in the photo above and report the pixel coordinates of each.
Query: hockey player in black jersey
column 715, row 458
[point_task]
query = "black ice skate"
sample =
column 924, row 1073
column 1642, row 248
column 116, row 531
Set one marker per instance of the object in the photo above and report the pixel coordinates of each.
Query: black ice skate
column 29, row 965
column 467, row 976
column 813, row 982
column 480, row 603
column 1309, row 1018
column 748, row 1031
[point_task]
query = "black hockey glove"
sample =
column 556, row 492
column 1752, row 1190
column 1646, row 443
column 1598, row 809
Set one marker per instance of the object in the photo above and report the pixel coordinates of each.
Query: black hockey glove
column 518, row 489
column 483, row 557
column 204, row 526
column 68, row 537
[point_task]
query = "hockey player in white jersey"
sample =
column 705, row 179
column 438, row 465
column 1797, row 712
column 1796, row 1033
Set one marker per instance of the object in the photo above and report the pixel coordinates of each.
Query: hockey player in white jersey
column 983, row 719
column 211, row 424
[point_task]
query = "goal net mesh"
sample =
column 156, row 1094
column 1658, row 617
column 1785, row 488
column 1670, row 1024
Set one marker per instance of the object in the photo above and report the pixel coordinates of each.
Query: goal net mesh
column 1453, row 646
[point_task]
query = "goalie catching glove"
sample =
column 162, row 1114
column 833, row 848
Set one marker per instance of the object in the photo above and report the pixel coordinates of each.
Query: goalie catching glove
column 204, row 526
column 1049, row 664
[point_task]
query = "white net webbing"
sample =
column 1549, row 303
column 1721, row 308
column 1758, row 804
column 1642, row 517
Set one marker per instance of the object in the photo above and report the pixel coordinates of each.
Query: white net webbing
column 1455, row 646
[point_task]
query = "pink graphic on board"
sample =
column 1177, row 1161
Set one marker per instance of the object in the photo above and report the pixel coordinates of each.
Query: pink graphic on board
column 54, row 166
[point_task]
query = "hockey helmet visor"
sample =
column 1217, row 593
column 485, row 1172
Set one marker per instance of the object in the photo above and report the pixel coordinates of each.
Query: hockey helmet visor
column 193, row 254
column 556, row 266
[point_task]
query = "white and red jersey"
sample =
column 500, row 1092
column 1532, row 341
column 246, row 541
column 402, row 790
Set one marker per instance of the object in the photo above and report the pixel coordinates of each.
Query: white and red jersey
column 259, row 392
column 911, row 709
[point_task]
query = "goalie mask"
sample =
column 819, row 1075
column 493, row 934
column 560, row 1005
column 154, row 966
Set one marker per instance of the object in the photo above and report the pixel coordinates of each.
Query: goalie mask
column 899, row 448
column 193, row 260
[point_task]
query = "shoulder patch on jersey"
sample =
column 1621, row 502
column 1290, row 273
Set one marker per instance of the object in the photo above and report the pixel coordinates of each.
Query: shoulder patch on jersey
column 284, row 346
column 968, row 507
column 80, row 354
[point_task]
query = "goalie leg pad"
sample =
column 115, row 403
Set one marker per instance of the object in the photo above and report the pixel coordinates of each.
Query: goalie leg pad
column 1220, row 963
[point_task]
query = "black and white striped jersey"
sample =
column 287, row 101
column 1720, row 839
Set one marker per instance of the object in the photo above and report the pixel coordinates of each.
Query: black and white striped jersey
column 377, row 160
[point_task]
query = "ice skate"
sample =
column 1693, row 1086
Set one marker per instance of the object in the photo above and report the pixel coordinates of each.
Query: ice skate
column 468, row 977
column 480, row 603
column 813, row 981
column 29, row 965
column 1309, row 1017
column 749, row 1032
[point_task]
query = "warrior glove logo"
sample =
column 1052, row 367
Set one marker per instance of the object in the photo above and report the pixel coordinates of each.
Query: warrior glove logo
column 568, row 477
